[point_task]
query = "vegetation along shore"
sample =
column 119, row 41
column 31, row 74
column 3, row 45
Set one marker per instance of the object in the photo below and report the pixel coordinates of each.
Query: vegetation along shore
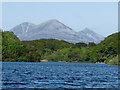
column 13, row 49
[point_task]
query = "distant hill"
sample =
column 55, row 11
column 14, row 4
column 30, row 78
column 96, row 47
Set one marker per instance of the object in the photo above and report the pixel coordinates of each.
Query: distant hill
column 54, row 29
column 58, row 50
column 90, row 35
column 102, row 52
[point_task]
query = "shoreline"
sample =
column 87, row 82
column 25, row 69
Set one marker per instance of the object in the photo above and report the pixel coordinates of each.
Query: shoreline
column 63, row 62
column 52, row 62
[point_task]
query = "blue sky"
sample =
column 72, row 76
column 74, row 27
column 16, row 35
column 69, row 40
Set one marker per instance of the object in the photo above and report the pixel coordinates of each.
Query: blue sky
column 101, row 17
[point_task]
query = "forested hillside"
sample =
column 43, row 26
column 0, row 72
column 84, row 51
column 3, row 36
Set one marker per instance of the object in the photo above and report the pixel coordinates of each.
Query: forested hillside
column 16, row 50
column 58, row 50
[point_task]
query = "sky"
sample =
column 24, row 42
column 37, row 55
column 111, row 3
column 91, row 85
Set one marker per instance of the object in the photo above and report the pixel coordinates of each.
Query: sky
column 101, row 17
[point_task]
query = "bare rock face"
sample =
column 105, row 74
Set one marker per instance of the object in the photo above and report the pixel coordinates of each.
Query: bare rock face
column 54, row 29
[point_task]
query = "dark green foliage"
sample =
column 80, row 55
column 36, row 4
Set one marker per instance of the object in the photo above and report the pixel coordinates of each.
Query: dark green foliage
column 91, row 44
column 80, row 45
column 101, row 52
column 30, row 51
column 11, row 46
column 109, row 47
column 58, row 50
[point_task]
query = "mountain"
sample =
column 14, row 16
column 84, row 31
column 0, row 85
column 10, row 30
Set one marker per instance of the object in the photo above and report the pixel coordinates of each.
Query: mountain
column 21, row 29
column 90, row 35
column 54, row 29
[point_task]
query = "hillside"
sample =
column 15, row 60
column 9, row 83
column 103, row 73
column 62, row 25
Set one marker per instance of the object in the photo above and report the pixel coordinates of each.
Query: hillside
column 58, row 50
column 114, row 61
column 102, row 52
column 15, row 50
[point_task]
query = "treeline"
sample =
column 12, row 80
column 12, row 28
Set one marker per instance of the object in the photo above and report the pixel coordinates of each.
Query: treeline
column 58, row 50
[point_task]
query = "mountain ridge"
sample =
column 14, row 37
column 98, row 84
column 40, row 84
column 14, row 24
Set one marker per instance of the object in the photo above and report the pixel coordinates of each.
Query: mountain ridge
column 54, row 29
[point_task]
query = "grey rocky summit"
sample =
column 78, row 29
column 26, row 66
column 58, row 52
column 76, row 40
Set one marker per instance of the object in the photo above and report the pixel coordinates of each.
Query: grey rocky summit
column 54, row 29
column 90, row 35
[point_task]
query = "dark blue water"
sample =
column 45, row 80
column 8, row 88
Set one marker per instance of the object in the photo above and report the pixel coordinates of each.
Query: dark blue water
column 59, row 75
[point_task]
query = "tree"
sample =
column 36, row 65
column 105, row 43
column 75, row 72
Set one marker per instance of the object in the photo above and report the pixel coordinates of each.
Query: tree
column 80, row 45
column 91, row 44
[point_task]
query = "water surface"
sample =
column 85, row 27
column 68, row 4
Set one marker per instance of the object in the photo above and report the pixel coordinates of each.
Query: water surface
column 59, row 75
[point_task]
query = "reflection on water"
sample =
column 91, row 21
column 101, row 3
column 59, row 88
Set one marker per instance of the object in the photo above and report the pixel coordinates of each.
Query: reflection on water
column 59, row 75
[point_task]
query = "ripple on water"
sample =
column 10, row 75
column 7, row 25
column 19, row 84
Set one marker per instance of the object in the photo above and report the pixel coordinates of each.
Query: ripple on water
column 59, row 75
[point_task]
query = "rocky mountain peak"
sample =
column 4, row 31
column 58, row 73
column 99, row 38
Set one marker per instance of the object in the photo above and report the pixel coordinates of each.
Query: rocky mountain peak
column 56, row 30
